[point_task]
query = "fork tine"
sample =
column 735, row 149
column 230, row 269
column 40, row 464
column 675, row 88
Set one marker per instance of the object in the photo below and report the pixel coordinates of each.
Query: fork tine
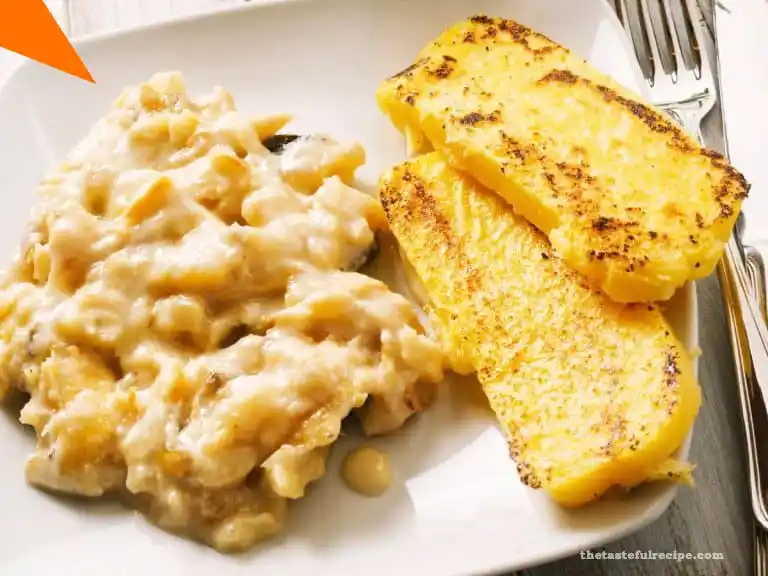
column 645, row 17
column 631, row 16
column 686, row 49
column 659, row 22
column 620, row 7
column 696, row 18
column 677, row 28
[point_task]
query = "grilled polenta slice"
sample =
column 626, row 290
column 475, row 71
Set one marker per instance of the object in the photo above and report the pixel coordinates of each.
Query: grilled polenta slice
column 590, row 393
column 626, row 197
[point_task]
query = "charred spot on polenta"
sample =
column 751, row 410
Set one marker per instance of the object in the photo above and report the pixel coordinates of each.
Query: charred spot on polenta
column 481, row 19
column 443, row 68
column 602, row 223
column 477, row 118
column 563, row 76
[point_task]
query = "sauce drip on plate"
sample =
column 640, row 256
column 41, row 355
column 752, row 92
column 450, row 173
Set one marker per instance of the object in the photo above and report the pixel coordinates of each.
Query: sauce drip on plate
column 367, row 471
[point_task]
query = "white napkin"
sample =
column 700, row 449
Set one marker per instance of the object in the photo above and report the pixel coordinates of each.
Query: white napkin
column 742, row 29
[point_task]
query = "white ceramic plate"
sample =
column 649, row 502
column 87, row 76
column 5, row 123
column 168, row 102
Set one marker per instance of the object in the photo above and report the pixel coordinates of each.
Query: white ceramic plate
column 457, row 506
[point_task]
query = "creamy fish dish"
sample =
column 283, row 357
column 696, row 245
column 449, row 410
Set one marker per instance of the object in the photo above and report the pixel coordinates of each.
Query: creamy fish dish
column 187, row 321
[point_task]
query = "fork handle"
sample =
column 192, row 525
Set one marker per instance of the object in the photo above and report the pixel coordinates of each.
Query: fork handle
column 754, row 322
column 746, row 374
column 749, row 333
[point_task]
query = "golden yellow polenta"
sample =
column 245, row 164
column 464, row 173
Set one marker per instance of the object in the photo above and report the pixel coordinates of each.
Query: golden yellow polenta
column 589, row 392
column 625, row 196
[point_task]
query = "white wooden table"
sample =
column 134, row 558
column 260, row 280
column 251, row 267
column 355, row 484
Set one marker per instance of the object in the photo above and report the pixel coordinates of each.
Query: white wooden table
column 713, row 518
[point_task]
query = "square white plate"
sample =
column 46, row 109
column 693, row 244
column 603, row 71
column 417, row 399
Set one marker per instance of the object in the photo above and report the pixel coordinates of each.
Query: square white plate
column 457, row 506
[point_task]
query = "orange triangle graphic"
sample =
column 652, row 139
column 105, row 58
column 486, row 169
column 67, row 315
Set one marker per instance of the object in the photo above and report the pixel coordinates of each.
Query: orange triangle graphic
column 28, row 28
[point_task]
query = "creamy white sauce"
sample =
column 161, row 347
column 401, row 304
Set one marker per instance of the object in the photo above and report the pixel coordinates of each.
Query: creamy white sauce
column 178, row 315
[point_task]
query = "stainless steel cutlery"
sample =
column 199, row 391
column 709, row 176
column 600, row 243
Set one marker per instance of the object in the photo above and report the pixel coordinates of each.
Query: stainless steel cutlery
column 669, row 43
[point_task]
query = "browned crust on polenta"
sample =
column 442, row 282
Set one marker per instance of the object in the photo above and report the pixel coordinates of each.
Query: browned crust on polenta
column 617, row 234
column 410, row 204
column 418, row 206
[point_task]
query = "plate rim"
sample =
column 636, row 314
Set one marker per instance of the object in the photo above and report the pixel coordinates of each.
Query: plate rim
column 653, row 513
column 94, row 38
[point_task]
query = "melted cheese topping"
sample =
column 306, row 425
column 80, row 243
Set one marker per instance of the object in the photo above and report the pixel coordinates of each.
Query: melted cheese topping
column 179, row 317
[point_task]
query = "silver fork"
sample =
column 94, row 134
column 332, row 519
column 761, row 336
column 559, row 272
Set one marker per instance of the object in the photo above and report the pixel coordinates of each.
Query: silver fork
column 761, row 552
column 756, row 267
column 757, row 281
column 760, row 538
column 668, row 43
